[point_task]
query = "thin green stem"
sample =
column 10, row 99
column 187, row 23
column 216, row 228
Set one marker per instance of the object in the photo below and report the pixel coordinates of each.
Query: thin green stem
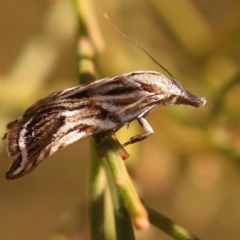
column 98, row 183
column 123, row 224
column 87, row 74
column 169, row 227
column 112, row 150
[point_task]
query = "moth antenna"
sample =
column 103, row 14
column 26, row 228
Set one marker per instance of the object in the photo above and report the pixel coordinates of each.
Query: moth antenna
column 137, row 44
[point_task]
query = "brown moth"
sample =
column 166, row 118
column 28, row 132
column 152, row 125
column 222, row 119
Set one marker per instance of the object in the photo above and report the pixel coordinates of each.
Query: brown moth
column 64, row 117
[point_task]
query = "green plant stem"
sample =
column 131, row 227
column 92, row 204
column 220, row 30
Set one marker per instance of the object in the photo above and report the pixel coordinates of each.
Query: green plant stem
column 87, row 74
column 88, row 20
column 98, row 183
column 123, row 224
column 168, row 226
column 111, row 149
column 114, row 165
column 86, row 68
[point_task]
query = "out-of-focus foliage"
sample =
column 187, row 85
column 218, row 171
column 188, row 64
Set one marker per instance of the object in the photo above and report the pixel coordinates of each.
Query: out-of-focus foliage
column 189, row 169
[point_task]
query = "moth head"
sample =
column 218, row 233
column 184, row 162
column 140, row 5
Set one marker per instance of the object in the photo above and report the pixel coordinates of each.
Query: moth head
column 179, row 95
column 170, row 101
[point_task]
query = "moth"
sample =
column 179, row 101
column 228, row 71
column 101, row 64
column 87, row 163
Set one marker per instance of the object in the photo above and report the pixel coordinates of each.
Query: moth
column 64, row 117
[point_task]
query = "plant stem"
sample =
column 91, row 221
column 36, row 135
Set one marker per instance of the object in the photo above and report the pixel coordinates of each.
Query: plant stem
column 169, row 227
column 123, row 224
column 112, row 149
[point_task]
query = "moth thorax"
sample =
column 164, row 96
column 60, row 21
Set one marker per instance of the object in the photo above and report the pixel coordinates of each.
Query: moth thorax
column 170, row 101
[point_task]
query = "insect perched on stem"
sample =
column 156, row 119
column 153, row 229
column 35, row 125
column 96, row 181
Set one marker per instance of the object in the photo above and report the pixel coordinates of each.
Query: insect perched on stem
column 64, row 117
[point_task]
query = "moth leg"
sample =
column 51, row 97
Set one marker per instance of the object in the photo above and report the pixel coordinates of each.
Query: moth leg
column 148, row 131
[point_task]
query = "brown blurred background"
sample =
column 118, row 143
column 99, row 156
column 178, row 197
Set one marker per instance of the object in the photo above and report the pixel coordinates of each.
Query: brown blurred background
column 188, row 170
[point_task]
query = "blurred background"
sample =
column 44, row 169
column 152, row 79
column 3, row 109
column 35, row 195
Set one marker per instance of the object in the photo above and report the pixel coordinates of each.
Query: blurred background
column 188, row 170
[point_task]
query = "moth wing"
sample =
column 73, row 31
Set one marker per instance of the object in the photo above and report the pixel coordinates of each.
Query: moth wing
column 26, row 151
column 50, row 126
column 64, row 117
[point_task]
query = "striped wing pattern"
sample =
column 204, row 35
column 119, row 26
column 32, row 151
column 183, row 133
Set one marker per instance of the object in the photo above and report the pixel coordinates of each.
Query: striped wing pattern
column 75, row 113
